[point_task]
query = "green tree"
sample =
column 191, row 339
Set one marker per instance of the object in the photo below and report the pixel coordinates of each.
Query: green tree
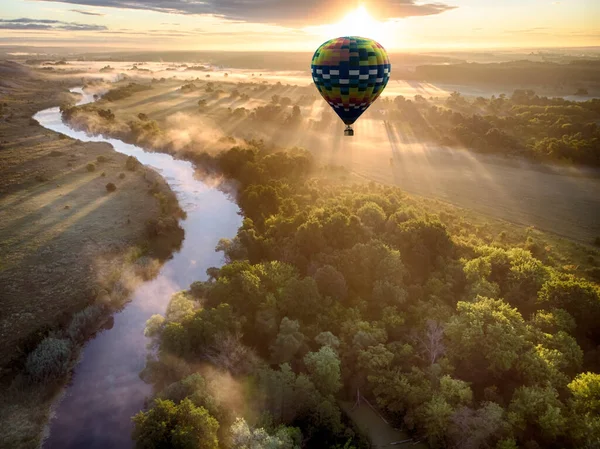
column 331, row 283
column 435, row 416
column 328, row 339
column 324, row 369
column 372, row 215
column 585, row 409
column 288, row 341
column 579, row 298
column 245, row 437
column 538, row 410
column 182, row 426
column 486, row 336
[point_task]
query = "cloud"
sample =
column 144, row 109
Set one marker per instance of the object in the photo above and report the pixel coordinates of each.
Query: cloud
column 47, row 25
column 87, row 13
column 280, row 12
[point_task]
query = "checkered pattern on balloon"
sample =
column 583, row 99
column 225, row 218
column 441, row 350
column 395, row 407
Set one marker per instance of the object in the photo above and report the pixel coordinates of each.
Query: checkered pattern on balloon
column 350, row 73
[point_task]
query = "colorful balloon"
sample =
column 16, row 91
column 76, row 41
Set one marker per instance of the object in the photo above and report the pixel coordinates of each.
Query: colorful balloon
column 350, row 73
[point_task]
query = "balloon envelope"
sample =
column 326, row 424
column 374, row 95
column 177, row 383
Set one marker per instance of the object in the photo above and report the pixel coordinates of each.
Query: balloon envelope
column 350, row 73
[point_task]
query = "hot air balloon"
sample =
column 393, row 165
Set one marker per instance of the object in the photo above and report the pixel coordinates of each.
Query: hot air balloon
column 350, row 73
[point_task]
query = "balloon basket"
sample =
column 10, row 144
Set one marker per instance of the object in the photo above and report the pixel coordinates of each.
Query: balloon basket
column 348, row 131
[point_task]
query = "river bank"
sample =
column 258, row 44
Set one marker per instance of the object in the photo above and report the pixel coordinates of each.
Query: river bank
column 71, row 250
column 106, row 389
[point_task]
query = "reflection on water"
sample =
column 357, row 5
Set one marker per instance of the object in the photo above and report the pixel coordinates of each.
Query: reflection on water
column 106, row 389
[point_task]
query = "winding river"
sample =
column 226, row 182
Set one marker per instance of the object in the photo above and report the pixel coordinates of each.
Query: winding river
column 106, row 391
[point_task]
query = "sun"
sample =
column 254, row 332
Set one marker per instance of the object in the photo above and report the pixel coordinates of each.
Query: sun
column 360, row 23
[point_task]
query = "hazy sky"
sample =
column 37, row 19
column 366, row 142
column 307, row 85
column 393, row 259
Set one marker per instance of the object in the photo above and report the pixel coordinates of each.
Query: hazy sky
column 298, row 24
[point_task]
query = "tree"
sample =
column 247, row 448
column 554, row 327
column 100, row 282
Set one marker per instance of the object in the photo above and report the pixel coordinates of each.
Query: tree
column 432, row 341
column 245, row 437
column 324, row 369
column 579, row 298
column 301, row 299
column 480, row 428
column 486, row 336
column 372, row 215
column 421, row 243
column 435, row 417
column 182, row 426
column 328, row 339
column 180, row 306
column 331, row 283
column 585, row 409
column 288, row 341
column 539, row 410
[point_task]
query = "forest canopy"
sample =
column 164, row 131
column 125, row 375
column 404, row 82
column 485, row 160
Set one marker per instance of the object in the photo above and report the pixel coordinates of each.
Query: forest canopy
column 330, row 289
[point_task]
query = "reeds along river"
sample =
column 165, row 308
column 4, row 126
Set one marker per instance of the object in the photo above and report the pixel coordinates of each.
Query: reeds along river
column 106, row 391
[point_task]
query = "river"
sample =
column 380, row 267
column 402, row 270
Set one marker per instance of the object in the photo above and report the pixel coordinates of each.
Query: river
column 106, row 391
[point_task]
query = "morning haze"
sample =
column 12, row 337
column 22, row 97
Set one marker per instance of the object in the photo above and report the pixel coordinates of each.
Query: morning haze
column 215, row 236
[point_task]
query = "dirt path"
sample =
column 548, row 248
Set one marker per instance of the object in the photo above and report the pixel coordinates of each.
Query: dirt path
column 380, row 433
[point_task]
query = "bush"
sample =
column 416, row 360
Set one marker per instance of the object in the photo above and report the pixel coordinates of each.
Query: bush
column 84, row 323
column 91, row 167
column 49, row 361
column 110, row 187
column 131, row 163
column 121, row 175
column 102, row 159
column 597, row 241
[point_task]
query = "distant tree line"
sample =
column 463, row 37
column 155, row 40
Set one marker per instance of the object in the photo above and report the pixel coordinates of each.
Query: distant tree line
column 513, row 73
column 523, row 124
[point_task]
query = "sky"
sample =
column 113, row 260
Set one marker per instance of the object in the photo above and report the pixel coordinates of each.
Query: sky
column 298, row 25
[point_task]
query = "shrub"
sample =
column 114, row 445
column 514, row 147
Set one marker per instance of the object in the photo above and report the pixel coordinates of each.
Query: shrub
column 110, row 187
column 103, row 175
column 597, row 241
column 41, row 178
column 91, row 167
column 84, row 323
column 102, row 159
column 131, row 163
column 121, row 175
column 50, row 360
